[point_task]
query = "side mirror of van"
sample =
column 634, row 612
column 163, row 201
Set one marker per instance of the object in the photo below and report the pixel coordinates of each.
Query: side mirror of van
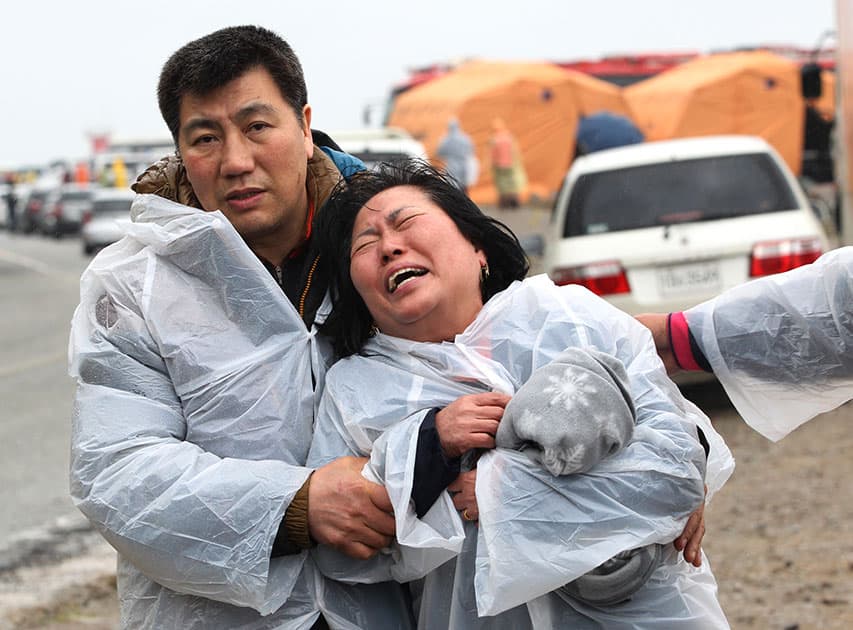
column 811, row 81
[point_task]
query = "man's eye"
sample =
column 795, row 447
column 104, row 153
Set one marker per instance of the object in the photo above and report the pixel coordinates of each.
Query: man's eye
column 258, row 126
column 202, row 140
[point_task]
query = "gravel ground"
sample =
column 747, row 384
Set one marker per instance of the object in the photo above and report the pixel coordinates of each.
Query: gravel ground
column 778, row 533
column 777, row 539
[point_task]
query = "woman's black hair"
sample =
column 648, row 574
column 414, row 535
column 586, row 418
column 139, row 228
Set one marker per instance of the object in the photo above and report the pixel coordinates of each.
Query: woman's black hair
column 350, row 324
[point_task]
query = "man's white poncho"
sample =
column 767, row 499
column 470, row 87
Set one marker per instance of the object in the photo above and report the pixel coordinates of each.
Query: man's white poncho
column 536, row 532
column 782, row 346
column 192, row 422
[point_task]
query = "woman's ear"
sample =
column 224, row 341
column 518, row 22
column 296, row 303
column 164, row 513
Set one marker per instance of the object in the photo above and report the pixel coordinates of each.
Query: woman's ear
column 481, row 255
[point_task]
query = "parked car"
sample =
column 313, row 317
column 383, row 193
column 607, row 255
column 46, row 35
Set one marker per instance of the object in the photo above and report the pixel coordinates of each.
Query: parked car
column 31, row 208
column 661, row 226
column 63, row 209
column 373, row 145
column 107, row 220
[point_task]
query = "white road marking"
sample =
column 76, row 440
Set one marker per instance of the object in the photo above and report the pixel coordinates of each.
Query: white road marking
column 35, row 265
column 34, row 362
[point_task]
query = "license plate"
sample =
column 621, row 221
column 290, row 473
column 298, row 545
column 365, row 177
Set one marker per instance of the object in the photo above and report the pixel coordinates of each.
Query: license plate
column 686, row 278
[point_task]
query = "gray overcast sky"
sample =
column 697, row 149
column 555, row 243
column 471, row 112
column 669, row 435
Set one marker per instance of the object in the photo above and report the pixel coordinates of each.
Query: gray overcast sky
column 68, row 68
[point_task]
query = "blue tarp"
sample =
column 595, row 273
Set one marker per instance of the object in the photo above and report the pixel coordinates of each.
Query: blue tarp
column 605, row 130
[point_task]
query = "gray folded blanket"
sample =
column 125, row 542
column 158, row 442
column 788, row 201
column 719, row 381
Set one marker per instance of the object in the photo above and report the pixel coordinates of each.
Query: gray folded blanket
column 571, row 413
column 568, row 416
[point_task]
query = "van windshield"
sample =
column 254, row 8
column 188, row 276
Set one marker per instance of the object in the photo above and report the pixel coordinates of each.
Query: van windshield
column 112, row 206
column 702, row 189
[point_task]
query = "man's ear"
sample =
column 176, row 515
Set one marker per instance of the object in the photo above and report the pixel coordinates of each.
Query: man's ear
column 306, row 131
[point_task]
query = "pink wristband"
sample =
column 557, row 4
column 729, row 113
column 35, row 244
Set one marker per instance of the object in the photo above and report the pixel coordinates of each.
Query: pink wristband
column 679, row 340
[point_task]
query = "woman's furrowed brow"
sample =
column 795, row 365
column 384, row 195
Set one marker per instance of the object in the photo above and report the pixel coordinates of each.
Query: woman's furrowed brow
column 390, row 219
column 369, row 231
column 392, row 216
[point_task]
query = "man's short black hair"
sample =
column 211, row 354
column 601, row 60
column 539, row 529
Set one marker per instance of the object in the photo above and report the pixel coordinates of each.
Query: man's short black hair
column 214, row 60
column 350, row 324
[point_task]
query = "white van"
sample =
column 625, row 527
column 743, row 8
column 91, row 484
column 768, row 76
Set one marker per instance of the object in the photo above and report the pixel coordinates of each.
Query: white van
column 661, row 226
column 373, row 145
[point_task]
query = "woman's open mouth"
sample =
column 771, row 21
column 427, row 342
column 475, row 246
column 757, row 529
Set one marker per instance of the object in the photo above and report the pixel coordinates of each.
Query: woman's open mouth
column 402, row 276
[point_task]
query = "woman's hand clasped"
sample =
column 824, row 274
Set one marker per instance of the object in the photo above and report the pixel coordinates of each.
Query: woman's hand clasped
column 464, row 497
column 467, row 423
column 470, row 422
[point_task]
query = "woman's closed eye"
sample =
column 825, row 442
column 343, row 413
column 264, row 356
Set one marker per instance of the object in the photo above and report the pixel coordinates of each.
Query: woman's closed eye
column 362, row 245
column 407, row 220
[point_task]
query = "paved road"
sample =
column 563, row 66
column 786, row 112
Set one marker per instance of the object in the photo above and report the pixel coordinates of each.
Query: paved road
column 38, row 293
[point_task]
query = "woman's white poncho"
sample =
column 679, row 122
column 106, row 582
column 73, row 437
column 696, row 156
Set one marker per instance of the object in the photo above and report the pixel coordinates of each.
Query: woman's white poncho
column 536, row 532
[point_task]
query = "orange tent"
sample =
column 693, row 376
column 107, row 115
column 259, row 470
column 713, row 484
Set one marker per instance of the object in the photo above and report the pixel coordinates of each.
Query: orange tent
column 539, row 102
column 756, row 93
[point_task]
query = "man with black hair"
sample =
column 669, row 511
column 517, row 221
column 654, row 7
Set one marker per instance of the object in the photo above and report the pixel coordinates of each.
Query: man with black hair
column 198, row 365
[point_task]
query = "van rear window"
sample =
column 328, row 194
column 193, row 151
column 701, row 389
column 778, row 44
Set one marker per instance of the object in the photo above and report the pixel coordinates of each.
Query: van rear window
column 704, row 189
column 372, row 159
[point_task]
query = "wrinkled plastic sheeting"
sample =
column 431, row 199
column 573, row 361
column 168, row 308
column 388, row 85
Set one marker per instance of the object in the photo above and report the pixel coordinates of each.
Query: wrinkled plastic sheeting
column 677, row 595
column 536, row 531
column 782, row 346
column 193, row 418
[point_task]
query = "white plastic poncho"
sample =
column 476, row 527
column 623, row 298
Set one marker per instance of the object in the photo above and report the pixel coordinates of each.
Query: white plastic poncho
column 192, row 422
column 536, row 532
column 782, row 346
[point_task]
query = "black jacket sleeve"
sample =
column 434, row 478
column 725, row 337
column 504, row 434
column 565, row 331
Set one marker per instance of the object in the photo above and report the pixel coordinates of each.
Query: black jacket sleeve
column 433, row 471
